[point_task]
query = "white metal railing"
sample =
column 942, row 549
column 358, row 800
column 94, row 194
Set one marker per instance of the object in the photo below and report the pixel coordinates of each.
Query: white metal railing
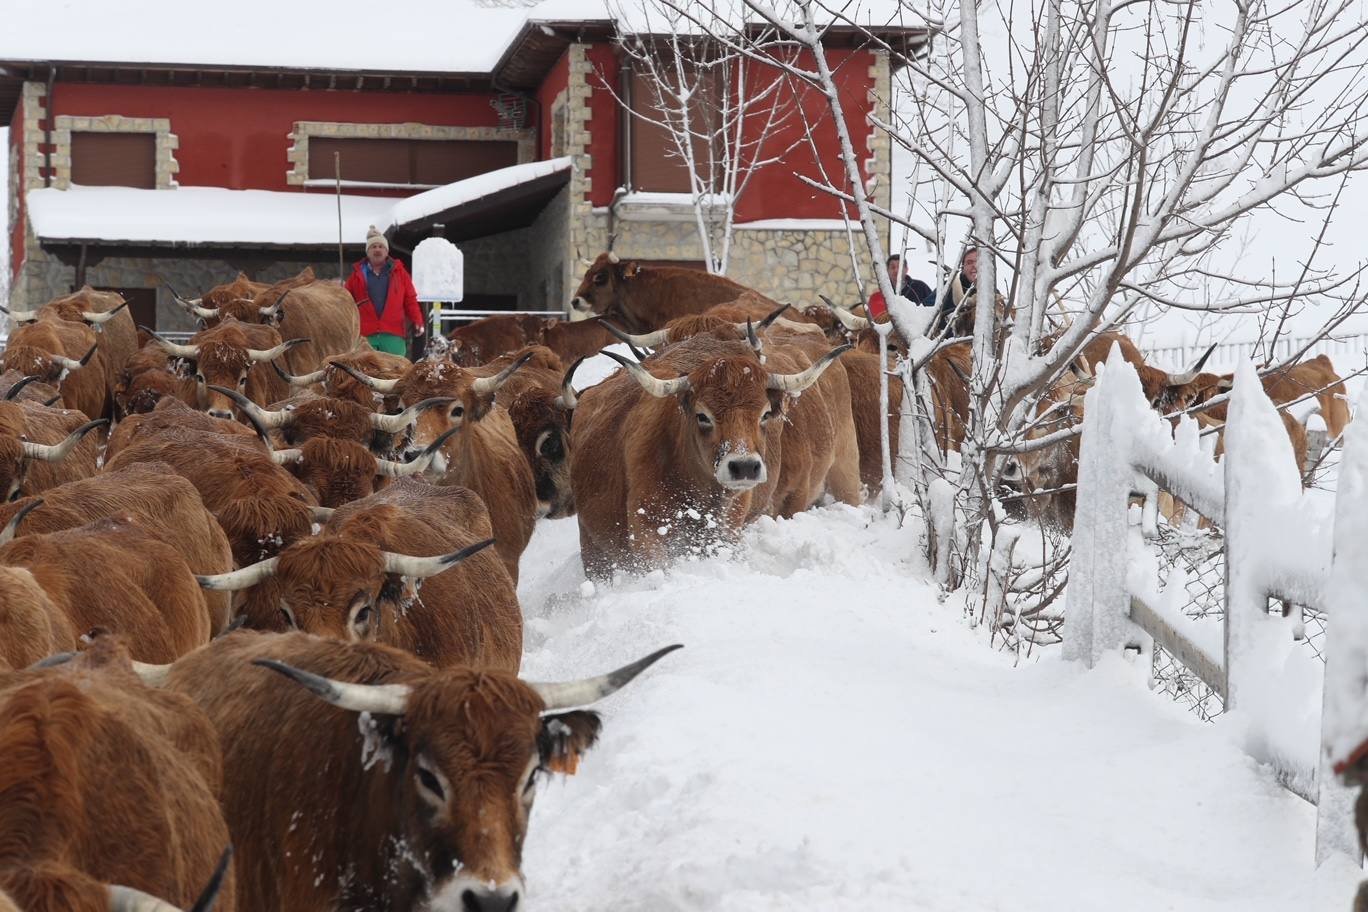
column 1343, row 350
column 443, row 318
column 1278, row 544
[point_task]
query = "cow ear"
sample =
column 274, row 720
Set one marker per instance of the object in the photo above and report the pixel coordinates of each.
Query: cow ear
column 564, row 737
column 631, row 270
column 777, row 399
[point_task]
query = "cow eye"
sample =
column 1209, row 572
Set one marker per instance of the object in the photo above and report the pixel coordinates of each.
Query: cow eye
column 289, row 616
column 242, row 381
column 705, row 423
column 457, row 411
column 601, row 278
column 199, row 378
column 769, row 413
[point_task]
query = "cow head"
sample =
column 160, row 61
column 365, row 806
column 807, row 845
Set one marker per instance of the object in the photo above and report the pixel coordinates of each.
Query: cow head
column 466, row 750
column 1052, row 467
column 542, row 423
column 337, row 472
column 604, row 285
column 340, row 586
column 141, row 392
column 222, row 360
column 42, row 364
column 17, row 452
column 725, row 404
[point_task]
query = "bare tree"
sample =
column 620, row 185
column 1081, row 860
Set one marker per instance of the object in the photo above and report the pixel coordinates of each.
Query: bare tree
column 720, row 109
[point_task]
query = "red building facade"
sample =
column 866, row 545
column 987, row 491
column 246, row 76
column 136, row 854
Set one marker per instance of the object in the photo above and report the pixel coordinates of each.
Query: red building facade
column 131, row 176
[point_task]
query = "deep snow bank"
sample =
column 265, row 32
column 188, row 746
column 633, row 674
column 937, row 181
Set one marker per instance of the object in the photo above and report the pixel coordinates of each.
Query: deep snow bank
column 833, row 737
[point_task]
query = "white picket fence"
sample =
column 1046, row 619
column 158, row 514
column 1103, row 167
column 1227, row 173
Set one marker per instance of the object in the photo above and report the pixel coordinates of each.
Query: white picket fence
column 1348, row 352
column 1279, row 543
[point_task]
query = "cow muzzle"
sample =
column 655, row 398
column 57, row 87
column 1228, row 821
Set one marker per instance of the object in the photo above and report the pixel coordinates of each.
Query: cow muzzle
column 466, row 894
column 740, row 471
column 581, row 304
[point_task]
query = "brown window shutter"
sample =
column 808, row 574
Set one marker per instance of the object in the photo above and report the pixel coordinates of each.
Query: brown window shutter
column 385, row 161
column 114, row 160
column 656, row 165
column 447, row 161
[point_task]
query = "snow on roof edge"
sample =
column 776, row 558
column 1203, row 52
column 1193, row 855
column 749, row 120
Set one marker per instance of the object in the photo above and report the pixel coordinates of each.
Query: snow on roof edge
column 431, row 202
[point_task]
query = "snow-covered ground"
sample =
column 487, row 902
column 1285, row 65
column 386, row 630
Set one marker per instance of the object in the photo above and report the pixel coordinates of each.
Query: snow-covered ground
column 834, row 737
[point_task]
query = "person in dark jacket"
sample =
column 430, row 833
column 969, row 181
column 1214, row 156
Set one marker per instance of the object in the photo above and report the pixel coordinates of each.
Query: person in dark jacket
column 956, row 306
column 915, row 290
column 385, row 297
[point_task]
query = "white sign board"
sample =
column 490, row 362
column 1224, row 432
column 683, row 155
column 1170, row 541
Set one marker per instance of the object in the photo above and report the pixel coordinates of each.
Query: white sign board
column 438, row 270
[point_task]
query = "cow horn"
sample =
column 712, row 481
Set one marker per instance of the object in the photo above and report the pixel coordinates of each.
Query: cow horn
column 204, row 313
column 422, row 567
column 614, row 258
column 322, row 514
column 54, row 400
column 391, row 469
column 99, row 319
column 377, row 699
column 274, row 308
column 754, row 341
column 20, row 316
column 71, row 364
column 56, row 452
column 267, row 418
column 375, row 383
column 591, row 690
column 173, row 348
column 1225, row 383
column 1188, row 376
column 488, row 385
column 846, row 318
column 184, row 302
column 567, row 400
column 393, row 424
column 13, row 392
column 642, row 340
column 796, row 383
column 651, row 384
column 11, row 527
column 52, row 661
column 126, row 899
column 270, row 354
column 299, row 380
column 287, row 457
column 768, row 321
column 245, row 578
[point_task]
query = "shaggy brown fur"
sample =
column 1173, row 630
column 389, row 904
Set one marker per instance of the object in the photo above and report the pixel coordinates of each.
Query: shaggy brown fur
column 575, row 339
column 30, row 350
column 117, row 337
column 147, row 378
column 645, row 298
column 336, row 471
column 33, row 391
column 31, row 627
column 117, row 574
column 261, row 506
column 39, row 424
column 168, row 506
column 380, row 365
column 234, row 299
column 484, row 340
column 223, row 361
column 348, row 839
column 171, row 416
column 483, row 456
column 313, row 416
column 105, row 781
column 322, row 312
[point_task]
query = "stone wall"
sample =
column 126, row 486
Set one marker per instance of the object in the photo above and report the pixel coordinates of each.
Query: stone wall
column 529, row 262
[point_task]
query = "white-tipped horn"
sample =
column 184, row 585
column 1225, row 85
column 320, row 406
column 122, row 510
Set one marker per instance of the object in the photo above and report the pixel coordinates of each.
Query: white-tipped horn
column 638, row 340
column 394, row 424
column 273, row 309
column 486, row 386
column 299, row 380
column 127, row 899
column 567, row 400
column 173, row 348
column 422, row 567
column 266, row 418
column 651, row 384
column 416, row 465
column 614, row 258
column 270, row 354
column 8, row 532
column 151, row 675
column 590, row 690
column 245, row 578
column 204, row 313
column 72, row 364
column 287, row 457
column 56, row 452
column 375, row 383
column 796, row 383
column 20, row 316
column 845, row 317
column 13, row 392
column 321, row 515
column 1188, row 376
column 377, row 699
column 98, row 319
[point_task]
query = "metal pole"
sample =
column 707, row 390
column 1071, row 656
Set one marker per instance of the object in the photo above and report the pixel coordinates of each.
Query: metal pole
column 337, row 175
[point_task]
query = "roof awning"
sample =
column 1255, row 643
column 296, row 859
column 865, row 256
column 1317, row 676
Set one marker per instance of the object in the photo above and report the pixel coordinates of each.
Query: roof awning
column 486, row 204
column 188, row 217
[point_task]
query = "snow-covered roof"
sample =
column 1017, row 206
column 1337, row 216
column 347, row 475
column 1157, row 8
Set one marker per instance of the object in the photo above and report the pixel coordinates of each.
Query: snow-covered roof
column 473, row 189
column 449, row 36
column 201, row 215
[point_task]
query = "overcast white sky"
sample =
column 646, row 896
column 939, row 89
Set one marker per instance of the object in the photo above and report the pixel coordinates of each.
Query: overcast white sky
column 471, row 35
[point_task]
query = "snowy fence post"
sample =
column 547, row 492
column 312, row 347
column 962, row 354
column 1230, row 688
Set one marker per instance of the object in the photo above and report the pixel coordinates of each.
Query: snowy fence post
column 1098, row 605
column 1344, row 706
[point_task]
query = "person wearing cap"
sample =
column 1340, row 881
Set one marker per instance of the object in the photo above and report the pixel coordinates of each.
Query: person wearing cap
column 915, row 290
column 385, row 297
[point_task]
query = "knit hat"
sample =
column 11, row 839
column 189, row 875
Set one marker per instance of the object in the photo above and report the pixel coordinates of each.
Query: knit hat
column 372, row 235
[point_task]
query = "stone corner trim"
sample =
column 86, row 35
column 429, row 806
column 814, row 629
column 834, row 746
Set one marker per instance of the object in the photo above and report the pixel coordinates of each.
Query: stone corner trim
column 167, row 143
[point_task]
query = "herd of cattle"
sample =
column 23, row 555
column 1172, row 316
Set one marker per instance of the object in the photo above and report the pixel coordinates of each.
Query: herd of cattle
column 363, row 741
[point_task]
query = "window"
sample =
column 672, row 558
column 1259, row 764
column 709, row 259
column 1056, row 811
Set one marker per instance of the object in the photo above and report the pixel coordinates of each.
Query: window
column 114, row 159
column 655, row 161
column 142, row 304
column 408, row 162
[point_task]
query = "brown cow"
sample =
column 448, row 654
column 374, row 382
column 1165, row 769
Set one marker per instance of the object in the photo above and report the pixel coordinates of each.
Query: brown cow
column 339, row 384
column 149, row 377
column 413, row 790
column 103, row 311
column 399, row 567
column 322, row 313
column 260, row 505
column 645, row 298
column 484, row 340
column 170, row 415
column 572, row 340
column 231, row 299
column 669, row 460
column 108, row 793
column 235, row 355
column 116, row 574
column 15, row 387
column 43, row 447
column 485, row 456
column 63, row 354
column 1287, row 384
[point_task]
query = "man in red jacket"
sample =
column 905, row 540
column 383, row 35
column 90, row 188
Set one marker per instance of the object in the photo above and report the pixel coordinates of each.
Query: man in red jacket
column 384, row 296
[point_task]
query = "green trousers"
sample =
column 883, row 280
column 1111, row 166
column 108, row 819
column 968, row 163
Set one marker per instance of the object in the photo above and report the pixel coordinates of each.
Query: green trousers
column 388, row 343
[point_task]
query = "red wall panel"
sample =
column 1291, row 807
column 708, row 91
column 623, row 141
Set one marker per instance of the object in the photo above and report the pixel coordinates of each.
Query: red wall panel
column 605, row 122
column 237, row 138
column 554, row 83
column 16, row 240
